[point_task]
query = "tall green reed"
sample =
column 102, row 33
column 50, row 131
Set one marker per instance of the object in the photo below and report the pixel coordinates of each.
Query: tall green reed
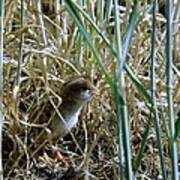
column 117, row 87
column 124, row 143
column 169, row 84
column 1, row 82
column 153, row 91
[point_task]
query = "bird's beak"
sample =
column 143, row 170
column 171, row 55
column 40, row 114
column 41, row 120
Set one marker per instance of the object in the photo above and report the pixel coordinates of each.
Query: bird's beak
column 95, row 91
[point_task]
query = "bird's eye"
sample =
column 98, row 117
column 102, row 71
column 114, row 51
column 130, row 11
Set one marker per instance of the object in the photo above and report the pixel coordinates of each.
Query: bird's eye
column 79, row 89
column 84, row 88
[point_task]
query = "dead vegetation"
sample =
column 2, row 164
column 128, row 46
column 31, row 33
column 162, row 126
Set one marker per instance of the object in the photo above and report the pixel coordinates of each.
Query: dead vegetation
column 93, row 152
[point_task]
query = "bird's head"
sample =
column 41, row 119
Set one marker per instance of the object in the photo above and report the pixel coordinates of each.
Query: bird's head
column 80, row 89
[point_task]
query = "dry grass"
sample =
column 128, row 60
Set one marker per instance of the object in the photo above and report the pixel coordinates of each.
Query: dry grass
column 96, row 153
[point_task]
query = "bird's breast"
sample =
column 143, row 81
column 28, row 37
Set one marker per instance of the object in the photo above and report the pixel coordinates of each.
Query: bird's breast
column 60, row 128
column 72, row 120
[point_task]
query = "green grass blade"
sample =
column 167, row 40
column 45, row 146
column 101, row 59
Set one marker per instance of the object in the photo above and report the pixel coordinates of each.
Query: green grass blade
column 169, row 73
column 177, row 127
column 140, row 155
column 88, row 38
column 119, row 101
column 138, row 85
column 129, row 35
column 123, row 112
column 130, row 73
column 153, row 92
column 1, row 82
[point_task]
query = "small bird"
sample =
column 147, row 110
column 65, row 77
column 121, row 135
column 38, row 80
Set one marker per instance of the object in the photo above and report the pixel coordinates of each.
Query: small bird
column 75, row 94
